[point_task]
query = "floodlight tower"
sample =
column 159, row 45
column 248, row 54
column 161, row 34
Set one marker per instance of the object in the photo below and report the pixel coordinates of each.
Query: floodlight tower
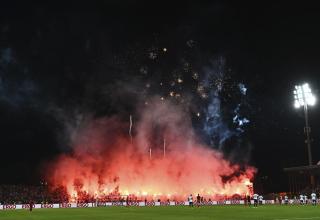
column 303, row 97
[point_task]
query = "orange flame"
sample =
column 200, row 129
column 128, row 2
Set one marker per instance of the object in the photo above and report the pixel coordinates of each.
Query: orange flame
column 106, row 162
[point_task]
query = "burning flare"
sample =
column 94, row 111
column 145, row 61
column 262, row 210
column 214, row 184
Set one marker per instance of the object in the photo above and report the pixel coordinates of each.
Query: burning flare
column 106, row 162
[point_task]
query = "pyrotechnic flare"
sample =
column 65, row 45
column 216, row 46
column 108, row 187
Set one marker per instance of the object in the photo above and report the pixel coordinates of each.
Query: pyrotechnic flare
column 105, row 162
column 164, row 147
column 150, row 153
column 130, row 128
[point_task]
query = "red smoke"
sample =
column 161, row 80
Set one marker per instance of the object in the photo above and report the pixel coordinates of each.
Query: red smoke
column 105, row 161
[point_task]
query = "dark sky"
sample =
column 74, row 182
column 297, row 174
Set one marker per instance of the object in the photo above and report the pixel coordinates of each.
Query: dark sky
column 55, row 56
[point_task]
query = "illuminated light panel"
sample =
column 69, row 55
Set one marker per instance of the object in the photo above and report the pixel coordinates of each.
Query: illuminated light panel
column 303, row 96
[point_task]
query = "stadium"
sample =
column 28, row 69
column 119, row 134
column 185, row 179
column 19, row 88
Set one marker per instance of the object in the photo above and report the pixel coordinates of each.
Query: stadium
column 159, row 110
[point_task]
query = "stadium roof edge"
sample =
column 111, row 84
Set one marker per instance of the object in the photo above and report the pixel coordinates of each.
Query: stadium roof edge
column 302, row 168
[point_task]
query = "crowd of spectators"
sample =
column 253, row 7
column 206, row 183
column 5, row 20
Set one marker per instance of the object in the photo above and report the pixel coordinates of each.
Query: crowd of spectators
column 20, row 194
column 11, row 194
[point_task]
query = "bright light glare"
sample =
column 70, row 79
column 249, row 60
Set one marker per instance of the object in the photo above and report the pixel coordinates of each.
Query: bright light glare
column 303, row 95
column 296, row 104
column 312, row 100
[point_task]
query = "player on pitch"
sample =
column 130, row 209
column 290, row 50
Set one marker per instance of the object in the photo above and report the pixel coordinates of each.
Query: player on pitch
column 198, row 200
column 286, row 200
column 301, row 199
column 190, row 199
column 314, row 198
column 255, row 200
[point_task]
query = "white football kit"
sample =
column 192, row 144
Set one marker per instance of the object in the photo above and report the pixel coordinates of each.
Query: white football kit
column 301, row 199
column 314, row 198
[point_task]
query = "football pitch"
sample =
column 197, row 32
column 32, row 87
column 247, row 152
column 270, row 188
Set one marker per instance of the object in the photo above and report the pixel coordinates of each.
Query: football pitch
column 267, row 212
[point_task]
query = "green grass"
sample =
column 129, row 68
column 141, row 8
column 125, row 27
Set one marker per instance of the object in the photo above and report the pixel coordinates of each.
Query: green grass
column 267, row 212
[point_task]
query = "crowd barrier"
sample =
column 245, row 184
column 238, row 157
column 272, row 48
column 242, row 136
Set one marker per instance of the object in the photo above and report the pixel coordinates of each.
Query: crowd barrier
column 108, row 204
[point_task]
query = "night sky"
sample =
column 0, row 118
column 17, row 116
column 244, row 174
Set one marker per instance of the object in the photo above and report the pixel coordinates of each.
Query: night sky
column 61, row 60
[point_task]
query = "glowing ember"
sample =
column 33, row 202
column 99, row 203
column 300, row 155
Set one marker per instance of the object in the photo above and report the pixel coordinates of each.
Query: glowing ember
column 106, row 162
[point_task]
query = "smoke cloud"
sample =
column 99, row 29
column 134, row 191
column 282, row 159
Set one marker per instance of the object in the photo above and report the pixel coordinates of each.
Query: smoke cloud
column 165, row 159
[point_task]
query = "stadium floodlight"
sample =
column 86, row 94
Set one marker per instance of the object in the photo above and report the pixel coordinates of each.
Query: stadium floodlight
column 302, row 98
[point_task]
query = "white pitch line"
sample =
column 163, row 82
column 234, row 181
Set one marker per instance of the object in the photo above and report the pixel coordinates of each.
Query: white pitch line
column 297, row 218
